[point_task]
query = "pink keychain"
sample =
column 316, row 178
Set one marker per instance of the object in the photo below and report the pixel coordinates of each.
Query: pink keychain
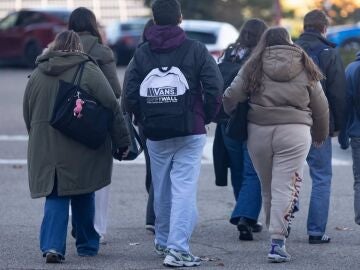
column 78, row 108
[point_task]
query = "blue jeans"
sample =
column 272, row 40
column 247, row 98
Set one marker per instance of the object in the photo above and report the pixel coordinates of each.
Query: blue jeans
column 319, row 160
column 55, row 222
column 355, row 147
column 175, row 168
column 245, row 182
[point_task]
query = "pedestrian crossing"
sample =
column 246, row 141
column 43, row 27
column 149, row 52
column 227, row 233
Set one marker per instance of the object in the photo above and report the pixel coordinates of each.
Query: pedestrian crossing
column 207, row 157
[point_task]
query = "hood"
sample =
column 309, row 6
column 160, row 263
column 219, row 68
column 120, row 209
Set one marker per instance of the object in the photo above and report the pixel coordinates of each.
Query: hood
column 88, row 41
column 164, row 38
column 282, row 63
column 54, row 63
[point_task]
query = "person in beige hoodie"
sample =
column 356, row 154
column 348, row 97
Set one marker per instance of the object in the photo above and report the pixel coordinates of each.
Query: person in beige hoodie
column 288, row 110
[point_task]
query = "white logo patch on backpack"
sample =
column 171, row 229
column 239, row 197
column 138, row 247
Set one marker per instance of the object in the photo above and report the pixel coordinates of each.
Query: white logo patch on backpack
column 163, row 85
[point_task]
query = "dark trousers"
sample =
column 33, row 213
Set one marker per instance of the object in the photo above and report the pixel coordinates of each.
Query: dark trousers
column 150, row 213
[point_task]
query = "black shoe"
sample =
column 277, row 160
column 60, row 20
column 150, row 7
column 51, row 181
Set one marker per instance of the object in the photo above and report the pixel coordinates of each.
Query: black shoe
column 256, row 228
column 150, row 228
column 324, row 239
column 53, row 257
column 245, row 230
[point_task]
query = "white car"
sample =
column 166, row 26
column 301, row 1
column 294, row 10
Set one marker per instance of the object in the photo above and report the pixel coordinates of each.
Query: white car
column 215, row 35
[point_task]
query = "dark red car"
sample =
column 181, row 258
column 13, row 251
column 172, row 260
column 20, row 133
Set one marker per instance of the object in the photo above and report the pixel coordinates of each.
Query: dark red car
column 24, row 34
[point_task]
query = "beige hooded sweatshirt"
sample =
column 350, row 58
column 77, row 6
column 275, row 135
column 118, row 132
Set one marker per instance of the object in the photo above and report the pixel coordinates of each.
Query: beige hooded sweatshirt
column 286, row 97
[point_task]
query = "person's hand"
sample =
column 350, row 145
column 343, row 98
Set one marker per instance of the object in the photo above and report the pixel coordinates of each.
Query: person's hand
column 318, row 144
column 344, row 141
column 125, row 153
column 121, row 152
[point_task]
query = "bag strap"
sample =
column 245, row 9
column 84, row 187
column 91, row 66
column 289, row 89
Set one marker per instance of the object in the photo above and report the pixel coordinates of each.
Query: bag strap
column 79, row 71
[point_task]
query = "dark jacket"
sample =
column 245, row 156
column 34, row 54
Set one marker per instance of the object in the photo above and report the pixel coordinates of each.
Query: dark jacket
column 352, row 121
column 334, row 85
column 198, row 66
column 104, row 57
column 79, row 169
column 231, row 59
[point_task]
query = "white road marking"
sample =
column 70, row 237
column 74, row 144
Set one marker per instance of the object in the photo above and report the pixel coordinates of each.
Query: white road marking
column 14, row 138
column 207, row 157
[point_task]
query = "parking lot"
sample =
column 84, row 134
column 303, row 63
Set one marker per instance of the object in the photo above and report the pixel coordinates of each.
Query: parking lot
column 129, row 246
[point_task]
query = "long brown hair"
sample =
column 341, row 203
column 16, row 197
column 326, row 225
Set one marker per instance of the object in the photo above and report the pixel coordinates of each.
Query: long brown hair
column 84, row 20
column 67, row 41
column 250, row 34
column 253, row 68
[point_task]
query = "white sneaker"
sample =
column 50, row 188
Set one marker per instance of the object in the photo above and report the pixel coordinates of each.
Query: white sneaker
column 179, row 259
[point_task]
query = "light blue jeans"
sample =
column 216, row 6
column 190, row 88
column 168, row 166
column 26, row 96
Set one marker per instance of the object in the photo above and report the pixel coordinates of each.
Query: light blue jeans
column 175, row 168
column 319, row 160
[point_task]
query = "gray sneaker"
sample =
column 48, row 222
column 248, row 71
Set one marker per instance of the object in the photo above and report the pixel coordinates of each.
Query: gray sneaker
column 161, row 250
column 278, row 254
column 179, row 259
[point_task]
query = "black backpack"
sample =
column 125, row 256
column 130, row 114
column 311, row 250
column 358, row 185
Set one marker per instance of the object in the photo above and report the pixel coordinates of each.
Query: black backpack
column 165, row 98
column 314, row 52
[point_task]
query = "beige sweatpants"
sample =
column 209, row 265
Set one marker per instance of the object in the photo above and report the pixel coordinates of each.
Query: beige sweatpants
column 278, row 153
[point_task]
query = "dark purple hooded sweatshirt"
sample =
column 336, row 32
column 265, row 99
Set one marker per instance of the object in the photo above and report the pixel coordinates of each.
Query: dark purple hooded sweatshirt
column 164, row 39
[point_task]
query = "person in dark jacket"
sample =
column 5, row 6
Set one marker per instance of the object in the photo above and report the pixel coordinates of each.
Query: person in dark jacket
column 175, row 161
column 83, row 22
column 60, row 168
column 324, row 54
column 351, row 130
column 245, row 182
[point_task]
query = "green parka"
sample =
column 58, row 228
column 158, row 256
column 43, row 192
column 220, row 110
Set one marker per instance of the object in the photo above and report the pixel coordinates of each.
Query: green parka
column 79, row 169
column 104, row 57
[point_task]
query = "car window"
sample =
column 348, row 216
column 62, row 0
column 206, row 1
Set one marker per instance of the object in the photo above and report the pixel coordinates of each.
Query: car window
column 28, row 17
column 132, row 27
column 8, row 21
column 61, row 15
column 206, row 38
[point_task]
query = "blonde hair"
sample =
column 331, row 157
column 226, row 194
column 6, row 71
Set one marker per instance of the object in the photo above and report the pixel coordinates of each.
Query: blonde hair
column 67, row 41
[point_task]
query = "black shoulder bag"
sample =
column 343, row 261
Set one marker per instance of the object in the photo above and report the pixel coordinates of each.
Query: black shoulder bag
column 79, row 115
column 236, row 127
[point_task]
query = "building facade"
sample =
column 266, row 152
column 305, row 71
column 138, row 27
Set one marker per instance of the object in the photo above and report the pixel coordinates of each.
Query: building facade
column 105, row 10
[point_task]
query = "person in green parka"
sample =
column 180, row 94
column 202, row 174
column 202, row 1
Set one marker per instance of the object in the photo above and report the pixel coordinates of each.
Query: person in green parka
column 84, row 23
column 60, row 168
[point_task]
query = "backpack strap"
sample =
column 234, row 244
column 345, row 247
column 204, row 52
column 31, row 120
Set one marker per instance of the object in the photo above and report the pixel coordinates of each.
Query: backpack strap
column 79, row 72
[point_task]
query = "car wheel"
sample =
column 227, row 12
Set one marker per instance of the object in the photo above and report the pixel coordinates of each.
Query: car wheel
column 32, row 50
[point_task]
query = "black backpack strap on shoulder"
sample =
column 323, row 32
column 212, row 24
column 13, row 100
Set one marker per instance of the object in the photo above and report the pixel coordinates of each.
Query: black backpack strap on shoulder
column 76, row 74
column 79, row 73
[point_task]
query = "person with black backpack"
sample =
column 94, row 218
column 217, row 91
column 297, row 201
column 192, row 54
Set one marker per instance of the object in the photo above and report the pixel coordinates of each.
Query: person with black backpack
column 352, row 128
column 173, row 87
column 325, row 56
column 245, row 182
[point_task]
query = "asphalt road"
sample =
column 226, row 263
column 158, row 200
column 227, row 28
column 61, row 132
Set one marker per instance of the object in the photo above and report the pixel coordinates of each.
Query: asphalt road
column 129, row 246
